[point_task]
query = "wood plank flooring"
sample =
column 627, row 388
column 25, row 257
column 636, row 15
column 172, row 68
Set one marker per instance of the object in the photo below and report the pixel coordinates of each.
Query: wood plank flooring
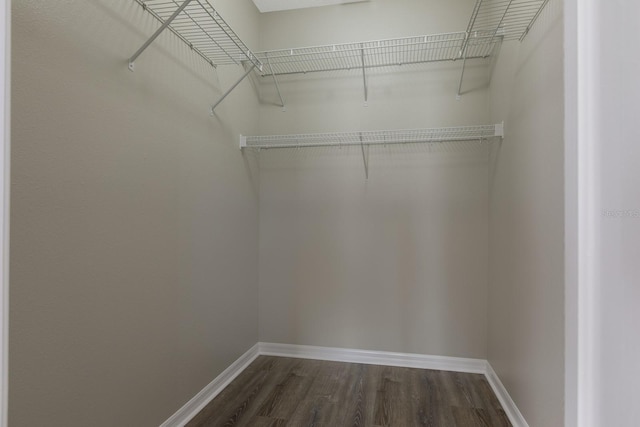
column 277, row 392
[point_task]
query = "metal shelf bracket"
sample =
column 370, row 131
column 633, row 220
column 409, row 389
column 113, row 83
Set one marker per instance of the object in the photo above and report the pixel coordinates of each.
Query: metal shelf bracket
column 213, row 107
column 364, row 78
column 275, row 81
column 495, row 21
column 155, row 35
column 201, row 28
column 365, row 158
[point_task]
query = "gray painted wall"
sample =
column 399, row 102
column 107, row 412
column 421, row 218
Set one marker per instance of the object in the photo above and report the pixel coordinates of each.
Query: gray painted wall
column 134, row 217
column 612, row 220
column 526, row 280
column 397, row 262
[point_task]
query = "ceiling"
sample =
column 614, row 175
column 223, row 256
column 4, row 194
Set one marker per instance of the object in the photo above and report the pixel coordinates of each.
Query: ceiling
column 277, row 5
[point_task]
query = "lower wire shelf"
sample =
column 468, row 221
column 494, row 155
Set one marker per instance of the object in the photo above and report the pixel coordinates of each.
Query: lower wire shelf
column 378, row 137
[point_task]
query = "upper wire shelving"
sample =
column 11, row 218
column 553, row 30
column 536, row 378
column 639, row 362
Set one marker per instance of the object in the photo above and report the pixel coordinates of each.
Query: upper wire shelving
column 491, row 22
column 499, row 20
column 201, row 27
column 375, row 54
column 371, row 54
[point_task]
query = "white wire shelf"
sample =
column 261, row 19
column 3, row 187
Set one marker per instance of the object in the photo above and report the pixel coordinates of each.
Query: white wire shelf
column 200, row 26
column 508, row 19
column 380, row 137
column 373, row 54
column 491, row 22
column 494, row 21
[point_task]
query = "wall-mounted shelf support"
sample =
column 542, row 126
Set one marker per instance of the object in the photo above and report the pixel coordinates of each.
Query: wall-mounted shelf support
column 244, row 76
column 494, row 21
column 365, row 158
column 364, row 78
column 200, row 26
column 155, row 35
column 275, row 81
column 465, row 44
column 464, row 65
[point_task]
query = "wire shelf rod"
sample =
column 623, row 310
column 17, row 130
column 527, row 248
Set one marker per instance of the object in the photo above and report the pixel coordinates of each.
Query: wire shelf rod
column 381, row 137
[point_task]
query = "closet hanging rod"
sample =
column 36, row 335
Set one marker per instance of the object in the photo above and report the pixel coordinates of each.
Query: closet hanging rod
column 379, row 137
column 376, row 53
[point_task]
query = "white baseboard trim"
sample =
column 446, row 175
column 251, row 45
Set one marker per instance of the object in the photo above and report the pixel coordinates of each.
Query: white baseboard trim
column 385, row 358
column 509, row 406
column 206, row 395
column 406, row 360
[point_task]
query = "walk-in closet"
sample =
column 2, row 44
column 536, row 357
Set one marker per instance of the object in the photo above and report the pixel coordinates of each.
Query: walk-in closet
column 288, row 213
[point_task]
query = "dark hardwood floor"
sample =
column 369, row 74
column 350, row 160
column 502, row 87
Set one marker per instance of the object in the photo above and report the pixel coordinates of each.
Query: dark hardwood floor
column 276, row 391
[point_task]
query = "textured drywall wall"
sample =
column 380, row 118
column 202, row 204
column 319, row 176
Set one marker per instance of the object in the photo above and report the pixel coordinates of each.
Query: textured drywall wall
column 526, row 280
column 134, row 216
column 397, row 262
